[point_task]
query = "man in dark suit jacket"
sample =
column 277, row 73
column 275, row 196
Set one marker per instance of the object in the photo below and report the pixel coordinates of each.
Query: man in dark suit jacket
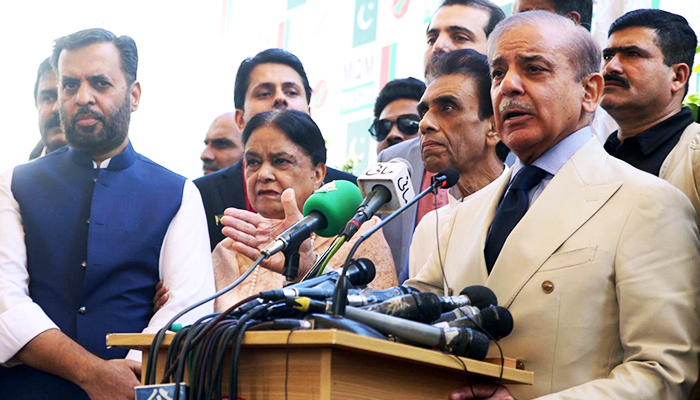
column 272, row 79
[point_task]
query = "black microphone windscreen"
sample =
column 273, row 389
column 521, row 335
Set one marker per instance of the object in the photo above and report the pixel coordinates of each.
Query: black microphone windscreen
column 480, row 296
column 497, row 321
column 451, row 175
column 469, row 343
column 365, row 271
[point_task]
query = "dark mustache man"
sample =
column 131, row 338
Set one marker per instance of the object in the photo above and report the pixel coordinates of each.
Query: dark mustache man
column 647, row 63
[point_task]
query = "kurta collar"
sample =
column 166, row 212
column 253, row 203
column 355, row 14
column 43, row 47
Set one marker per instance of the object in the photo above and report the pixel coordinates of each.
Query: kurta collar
column 119, row 162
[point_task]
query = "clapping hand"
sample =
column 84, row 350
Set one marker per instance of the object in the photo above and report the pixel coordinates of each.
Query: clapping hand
column 251, row 232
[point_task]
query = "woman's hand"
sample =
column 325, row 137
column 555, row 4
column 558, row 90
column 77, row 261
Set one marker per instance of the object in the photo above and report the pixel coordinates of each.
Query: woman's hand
column 251, row 232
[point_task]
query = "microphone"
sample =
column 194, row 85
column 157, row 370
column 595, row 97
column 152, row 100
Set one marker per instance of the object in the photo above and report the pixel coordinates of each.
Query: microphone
column 495, row 320
column 463, row 342
column 359, row 298
column 359, row 275
column 477, row 296
column 385, row 188
column 423, row 307
column 360, row 272
column 446, row 178
column 326, row 211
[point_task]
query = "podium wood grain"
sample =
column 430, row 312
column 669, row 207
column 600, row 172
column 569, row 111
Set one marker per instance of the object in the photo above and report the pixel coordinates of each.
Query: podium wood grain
column 331, row 364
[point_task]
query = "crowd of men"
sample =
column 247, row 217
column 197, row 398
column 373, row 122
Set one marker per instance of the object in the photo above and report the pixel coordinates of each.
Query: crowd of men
column 592, row 246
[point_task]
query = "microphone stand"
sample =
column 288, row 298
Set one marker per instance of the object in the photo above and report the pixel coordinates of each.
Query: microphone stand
column 291, row 263
column 340, row 294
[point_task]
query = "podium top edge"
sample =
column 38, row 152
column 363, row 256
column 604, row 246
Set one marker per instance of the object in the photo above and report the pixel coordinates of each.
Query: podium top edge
column 332, row 338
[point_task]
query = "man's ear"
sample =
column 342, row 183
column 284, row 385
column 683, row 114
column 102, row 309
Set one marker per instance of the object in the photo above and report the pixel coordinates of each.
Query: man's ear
column 135, row 94
column 492, row 137
column 592, row 87
column 575, row 16
column 681, row 74
column 240, row 122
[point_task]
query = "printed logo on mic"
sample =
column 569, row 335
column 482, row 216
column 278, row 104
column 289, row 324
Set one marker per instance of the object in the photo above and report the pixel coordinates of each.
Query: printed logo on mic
column 328, row 187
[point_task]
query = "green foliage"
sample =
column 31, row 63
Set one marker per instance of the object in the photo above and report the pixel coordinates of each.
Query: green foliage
column 350, row 163
column 692, row 101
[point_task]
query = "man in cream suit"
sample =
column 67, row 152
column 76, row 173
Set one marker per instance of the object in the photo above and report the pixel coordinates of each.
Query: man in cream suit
column 457, row 131
column 597, row 261
column 648, row 61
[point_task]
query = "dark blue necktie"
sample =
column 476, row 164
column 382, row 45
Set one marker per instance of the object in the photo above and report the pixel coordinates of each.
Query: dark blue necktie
column 511, row 211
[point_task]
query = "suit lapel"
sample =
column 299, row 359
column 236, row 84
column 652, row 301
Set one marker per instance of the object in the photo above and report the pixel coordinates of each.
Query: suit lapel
column 678, row 152
column 466, row 245
column 575, row 193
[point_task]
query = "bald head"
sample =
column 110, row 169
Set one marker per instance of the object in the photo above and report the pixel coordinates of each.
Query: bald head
column 223, row 144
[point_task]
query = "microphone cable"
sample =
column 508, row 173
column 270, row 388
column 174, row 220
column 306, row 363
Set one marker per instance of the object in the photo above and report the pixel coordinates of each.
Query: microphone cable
column 437, row 242
column 324, row 259
column 158, row 338
column 500, row 352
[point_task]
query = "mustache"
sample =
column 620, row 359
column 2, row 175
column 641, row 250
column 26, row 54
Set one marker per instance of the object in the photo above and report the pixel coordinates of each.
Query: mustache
column 53, row 122
column 82, row 111
column 618, row 79
column 511, row 104
column 210, row 164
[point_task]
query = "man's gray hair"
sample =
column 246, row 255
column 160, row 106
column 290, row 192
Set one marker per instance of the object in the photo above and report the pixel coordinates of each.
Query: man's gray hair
column 583, row 51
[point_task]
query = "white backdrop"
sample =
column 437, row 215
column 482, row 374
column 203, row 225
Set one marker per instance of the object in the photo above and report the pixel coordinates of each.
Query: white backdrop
column 190, row 50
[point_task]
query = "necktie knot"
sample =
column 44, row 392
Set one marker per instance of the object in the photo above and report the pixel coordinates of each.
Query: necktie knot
column 527, row 178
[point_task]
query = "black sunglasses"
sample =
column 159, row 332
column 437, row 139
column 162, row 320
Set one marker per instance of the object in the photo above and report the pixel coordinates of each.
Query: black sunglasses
column 407, row 124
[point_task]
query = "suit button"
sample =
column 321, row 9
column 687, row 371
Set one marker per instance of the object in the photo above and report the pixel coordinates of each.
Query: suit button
column 94, row 180
column 84, row 264
column 88, row 221
column 547, row 287
column 82, row 310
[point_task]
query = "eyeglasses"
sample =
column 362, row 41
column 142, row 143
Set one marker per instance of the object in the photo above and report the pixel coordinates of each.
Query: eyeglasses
column 407, row 124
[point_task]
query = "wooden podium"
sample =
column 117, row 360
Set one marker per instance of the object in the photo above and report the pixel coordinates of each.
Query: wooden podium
column 332, row 364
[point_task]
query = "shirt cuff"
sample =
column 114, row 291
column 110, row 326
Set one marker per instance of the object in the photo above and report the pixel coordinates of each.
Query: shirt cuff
column 19, row 325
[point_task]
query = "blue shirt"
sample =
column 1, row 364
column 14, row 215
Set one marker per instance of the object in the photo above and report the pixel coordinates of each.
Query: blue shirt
column 553, row 159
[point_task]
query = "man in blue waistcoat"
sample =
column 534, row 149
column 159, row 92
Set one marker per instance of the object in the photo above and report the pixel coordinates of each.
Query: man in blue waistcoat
column 87, row 232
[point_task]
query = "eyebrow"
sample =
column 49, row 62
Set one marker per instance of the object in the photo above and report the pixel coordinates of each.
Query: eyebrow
column 622, row 49
column 451, row 29
column 218, row 140
column 537, row 57
column 294, row 85
column 270, row 85
column 48, row 91
column 272, row 155
column 282, row 154
column 446, row 98
column 523, row 58
column 99, row 77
